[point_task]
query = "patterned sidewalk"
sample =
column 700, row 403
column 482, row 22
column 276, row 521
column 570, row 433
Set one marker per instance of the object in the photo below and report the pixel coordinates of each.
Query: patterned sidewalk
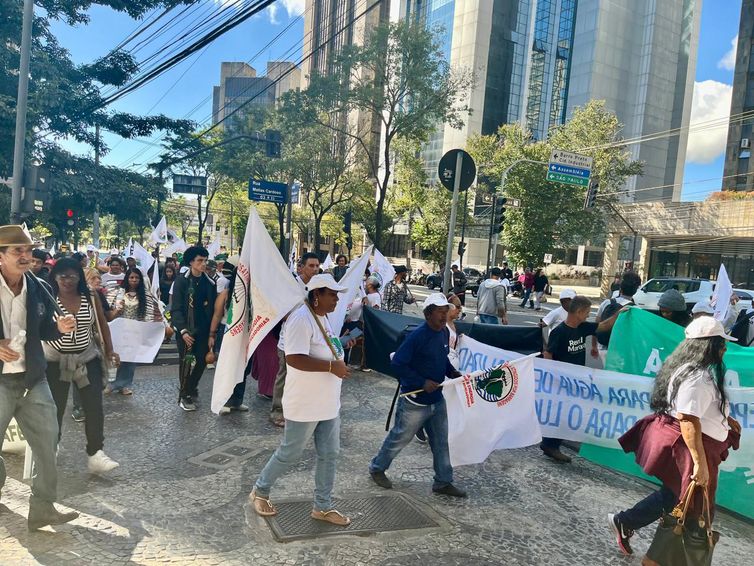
column 174, row 500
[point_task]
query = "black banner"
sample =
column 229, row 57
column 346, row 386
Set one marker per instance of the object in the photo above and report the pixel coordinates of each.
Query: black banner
column 382, row 330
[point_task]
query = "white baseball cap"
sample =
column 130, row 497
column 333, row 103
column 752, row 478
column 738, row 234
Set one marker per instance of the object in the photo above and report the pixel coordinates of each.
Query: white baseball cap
column 567, row 294
column 435, row 299
column 707, row 327
column 324, row 281
column 703, row 306
column 91, row 248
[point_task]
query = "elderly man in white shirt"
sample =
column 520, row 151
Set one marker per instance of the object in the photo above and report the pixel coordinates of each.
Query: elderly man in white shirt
column 28, row 316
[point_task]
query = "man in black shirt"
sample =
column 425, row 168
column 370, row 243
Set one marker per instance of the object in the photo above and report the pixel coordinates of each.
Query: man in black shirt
column 567, row 343
column 506, row 272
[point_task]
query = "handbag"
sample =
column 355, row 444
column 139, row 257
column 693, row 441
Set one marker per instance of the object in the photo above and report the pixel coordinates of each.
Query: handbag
column 676, row 543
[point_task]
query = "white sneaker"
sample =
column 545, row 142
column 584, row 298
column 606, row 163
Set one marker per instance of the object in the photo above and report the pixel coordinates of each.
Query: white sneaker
column 224, row 410
column 101, row 463
column 210, row 366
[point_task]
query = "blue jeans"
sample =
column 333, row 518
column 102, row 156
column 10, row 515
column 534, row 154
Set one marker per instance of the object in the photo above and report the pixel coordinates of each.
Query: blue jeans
column 124, row 377
column 295, row 438
column 527, row 297
column 488, row 319
column 236, row 398
column 36, row 416
column 409, row 418
column 649, row 509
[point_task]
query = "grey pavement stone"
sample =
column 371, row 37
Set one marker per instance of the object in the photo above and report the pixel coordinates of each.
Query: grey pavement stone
column 162, row 505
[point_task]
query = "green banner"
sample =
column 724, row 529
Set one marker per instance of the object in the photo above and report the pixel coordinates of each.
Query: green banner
column 640, row 342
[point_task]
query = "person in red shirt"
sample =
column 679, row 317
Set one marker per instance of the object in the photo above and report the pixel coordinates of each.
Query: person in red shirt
column 528, row 286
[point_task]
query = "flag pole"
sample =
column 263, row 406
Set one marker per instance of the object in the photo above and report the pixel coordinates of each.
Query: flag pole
column 474, row 374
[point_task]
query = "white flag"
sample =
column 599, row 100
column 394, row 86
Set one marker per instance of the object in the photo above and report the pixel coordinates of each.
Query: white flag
column 176, row 247
column 352, row 282
column 214, row 248
column 160, row 233
column 171, row 235
column 723, row 293
column 328, row 263
column 264, row 281
column 382, row 269
column 491, row 410
column 292, row 260
column 129, row 251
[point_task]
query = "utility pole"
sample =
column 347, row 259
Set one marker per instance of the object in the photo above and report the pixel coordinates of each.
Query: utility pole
column 232, row 225
column 95, row 219
column 289, row 222
column 21, row 107
column 452, row 227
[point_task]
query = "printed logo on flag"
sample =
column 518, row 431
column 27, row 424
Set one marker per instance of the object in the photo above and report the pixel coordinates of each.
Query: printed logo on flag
column 238, row 311
column 498, row 385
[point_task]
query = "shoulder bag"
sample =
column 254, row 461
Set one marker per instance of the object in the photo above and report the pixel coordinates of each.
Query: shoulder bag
column 677, row 543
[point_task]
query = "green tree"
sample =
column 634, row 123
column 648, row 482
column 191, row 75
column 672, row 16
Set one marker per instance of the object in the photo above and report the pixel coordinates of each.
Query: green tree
column 551, row 214
column 397, row 83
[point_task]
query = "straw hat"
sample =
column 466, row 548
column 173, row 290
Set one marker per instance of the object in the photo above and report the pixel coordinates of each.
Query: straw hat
column 15, row 235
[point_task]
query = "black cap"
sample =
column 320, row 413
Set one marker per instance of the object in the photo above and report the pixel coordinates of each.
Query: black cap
column 400, row 269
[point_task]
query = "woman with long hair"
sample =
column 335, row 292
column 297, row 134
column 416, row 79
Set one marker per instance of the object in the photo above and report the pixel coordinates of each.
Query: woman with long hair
column 135, row 303
column 166, row 282
column 77, row 358
column 311, row 400
column 689, row 433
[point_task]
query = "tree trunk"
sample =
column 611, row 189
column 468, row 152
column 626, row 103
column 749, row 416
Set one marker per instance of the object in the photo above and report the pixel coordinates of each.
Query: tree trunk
column 201, row 222
column 317, row 232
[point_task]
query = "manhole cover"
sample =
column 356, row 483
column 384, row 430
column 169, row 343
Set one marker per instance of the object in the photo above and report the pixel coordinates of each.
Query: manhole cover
column 369, row 515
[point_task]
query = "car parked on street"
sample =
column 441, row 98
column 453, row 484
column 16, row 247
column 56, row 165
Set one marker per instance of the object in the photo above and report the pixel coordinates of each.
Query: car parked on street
column 693, row 291
column 473, row 278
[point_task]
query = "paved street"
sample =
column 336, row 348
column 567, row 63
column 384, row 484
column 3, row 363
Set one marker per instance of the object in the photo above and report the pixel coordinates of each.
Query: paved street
column 172, row 502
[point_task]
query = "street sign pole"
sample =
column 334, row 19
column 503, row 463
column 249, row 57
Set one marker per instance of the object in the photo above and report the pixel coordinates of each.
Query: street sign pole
column 288, row 222
column 452, row 227
column 21, row 106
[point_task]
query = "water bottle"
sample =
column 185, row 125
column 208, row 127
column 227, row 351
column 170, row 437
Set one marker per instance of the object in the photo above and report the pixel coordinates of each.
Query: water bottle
column 112, row 372
column 18, row 342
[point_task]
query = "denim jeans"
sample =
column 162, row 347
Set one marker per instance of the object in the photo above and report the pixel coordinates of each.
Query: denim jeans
column 35, row 415
column 295, row 438
column 124, row 377
column 538, row 299
column 91, row 401
column 553, row 443
column 236, row 398
column 488, row 319
column 527, row 297
column 649, row 509
column 409, row 418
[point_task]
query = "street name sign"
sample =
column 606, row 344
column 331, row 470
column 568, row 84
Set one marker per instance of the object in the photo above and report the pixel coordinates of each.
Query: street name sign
column 268, row 191
column 569, row 168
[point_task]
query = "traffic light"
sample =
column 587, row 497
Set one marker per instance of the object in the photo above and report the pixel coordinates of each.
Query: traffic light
column 273, row 143
column 461, row 248
column 591, row 195
column 347, row 217
column 70, row 216
column 498, row 219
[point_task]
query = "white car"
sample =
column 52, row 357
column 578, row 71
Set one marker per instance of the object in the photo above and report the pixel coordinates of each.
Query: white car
column 745, row 299
column 693, row 291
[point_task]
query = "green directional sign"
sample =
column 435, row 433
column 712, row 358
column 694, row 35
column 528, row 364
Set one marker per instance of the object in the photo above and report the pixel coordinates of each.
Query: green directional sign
column 568, row 179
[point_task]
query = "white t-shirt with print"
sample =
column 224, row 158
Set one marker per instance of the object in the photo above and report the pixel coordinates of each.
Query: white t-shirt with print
column 310, row 396
column 698, row 396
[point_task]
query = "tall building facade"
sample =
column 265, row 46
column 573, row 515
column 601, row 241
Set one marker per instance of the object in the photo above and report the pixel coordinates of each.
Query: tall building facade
column 240, row 87
column 640, row 57
column 520, row 53
column 536, row 61
column 739, row 170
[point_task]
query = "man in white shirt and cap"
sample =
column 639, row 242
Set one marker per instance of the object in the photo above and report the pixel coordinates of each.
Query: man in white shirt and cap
column 28, row 315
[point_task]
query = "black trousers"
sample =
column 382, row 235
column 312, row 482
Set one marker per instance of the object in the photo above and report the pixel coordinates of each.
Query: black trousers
column 91, row 402
column 649, row 509
column 190, row 386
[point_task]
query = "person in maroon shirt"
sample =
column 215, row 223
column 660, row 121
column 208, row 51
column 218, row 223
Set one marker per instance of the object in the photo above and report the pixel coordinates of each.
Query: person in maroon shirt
column 528, row 286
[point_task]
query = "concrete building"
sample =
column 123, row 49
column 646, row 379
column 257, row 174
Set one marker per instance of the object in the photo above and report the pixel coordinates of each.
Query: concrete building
column 240, row 87
column 739, row 171
column 640, row 57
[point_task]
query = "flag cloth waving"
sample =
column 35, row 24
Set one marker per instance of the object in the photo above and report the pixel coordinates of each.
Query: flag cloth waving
column 352, row 282
column 160, row 233
column 721, row 296
column 264, row 282
column 490, row 410
column 382, row 268
column 328, row 263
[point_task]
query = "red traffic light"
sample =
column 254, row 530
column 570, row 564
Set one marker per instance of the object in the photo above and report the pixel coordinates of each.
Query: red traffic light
column 69, row 213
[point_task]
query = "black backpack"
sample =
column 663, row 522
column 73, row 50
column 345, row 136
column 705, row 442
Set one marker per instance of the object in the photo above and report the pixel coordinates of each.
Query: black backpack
column 610, row 310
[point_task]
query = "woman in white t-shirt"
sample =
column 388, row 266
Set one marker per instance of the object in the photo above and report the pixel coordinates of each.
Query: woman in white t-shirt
column 311, row 400
column 689, row 433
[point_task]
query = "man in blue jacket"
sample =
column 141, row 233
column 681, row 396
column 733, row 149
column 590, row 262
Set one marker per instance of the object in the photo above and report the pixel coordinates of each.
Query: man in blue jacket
column 422, row 364
column 25, row 307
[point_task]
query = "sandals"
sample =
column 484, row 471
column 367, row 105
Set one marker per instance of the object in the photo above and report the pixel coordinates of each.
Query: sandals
column 126, row 391
column 262, row 505
column 332, row 516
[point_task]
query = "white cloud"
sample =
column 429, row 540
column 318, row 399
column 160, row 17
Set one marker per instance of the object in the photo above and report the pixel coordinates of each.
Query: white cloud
column 728, row 62
column 294, row 7
column 711, row 102
column 272, row 12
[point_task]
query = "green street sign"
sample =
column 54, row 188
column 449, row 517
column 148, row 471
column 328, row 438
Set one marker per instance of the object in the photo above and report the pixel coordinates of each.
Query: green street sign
column 568, row 179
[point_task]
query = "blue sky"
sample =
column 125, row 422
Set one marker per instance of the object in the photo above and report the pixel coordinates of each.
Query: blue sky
column 189, row 85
